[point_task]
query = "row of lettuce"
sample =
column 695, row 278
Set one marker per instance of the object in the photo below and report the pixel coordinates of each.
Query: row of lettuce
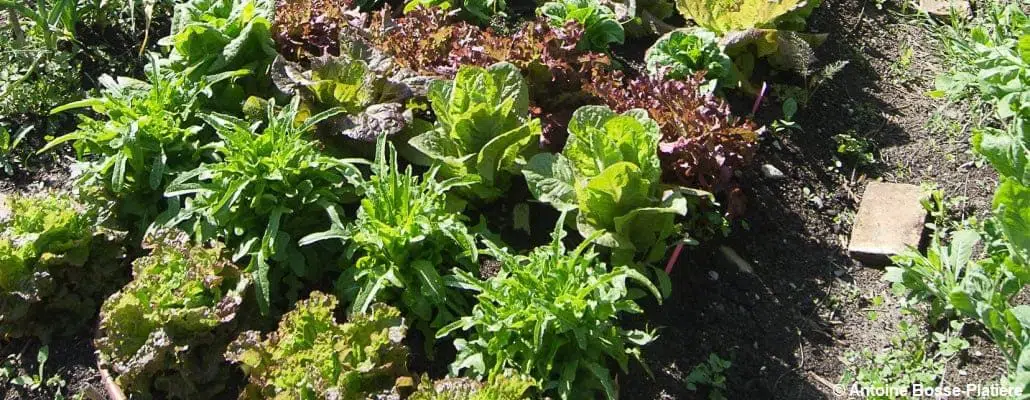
column 977, row 271
column 240, row 168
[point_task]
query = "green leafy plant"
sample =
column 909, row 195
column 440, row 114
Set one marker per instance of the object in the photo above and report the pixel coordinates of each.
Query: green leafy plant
column 402, row 243
column 598, row 21
column 478, row 11
column 8, row 159
column 1008, row 150
column 932, row 278
column 147, row 137
column 750, row 30
column 553, row 316
column 856, row 150
column 374, row 105
column 265, row 191
column 610, row 173
column 50, row 24
column 311, row 356
column 712, row 374
column 908, row 360
column 38, row 382
column 685, row 52
column 211, row 36
column 500, row 388
column 157, row 332
column 989, row 61
column 482, row 127
column 56, row 263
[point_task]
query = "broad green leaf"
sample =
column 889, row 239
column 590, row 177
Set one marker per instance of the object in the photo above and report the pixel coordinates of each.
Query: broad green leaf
column 721, row 16
column 1012, row 209
column 551, row 180
column 1007, row 150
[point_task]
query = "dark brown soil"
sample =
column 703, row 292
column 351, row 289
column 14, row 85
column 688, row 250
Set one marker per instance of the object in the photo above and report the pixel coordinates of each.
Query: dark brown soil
column 787, row 325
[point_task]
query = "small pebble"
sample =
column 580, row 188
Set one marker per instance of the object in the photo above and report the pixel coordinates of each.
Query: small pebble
column 978, row 353
column 713, row 275
column 962, row 372
column 771, row 172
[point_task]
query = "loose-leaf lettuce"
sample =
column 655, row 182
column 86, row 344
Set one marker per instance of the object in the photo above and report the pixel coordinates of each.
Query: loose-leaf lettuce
column 724, row 16
column 753, row 29
column 311, row 356
column 552, row 315
column 268, row 188
column 502, row 387
column 600, row 26
column 403, row 243
column 158, row 331
column 482, row 127
column 149, row 134
column 374, row 105
column 211, row 36
column 56, row 265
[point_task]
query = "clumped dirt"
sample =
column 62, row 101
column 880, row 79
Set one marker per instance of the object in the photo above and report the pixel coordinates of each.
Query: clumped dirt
column 787, row 325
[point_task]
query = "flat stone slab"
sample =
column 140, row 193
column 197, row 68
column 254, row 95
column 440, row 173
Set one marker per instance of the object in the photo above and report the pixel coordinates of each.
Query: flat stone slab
column 889, row 221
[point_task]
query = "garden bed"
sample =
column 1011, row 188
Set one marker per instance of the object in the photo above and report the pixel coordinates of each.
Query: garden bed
column 777, row 296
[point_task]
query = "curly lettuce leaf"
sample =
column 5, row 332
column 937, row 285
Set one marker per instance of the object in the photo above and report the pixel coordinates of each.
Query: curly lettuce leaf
column 211, row 36
column 162, row 323
column 312, row 356
column 600, row 25
column 56, row 264
column 722, row 16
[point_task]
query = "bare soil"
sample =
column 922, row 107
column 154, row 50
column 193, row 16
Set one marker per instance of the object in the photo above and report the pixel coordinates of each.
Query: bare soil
column 787, row 325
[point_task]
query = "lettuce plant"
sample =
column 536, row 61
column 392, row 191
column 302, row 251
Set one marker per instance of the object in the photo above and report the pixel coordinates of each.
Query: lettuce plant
column 308, row 27
column 161, row 327
column 701, row 144
column 502, row 387
column 600, row 26
column 211, row 36
column 266, row 190
column 553, row 316
column 403, row 241
column 477, row 11
column 311, row 356
column 609, row 172
column 482, row 127
column 148, row 135
column 750, row 30
column 56, row 264
column 374, row 105
column 685, row 52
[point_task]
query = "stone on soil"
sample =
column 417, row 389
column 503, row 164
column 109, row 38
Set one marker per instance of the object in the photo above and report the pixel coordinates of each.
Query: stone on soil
column 890, row 220
column 943, row 8
column 771, row 172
